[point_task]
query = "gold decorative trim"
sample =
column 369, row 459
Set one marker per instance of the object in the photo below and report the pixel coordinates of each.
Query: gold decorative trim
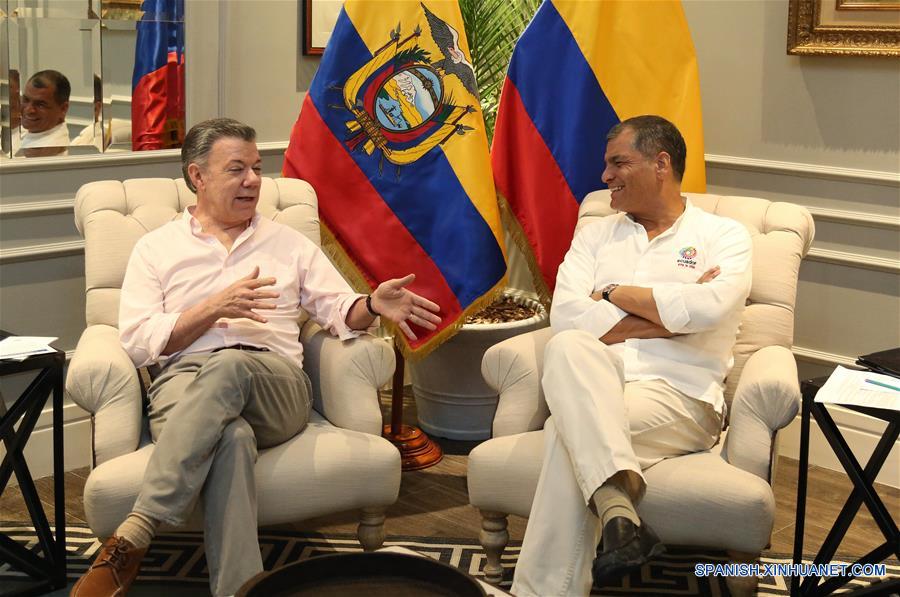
column 807, row 37
column 352, row 273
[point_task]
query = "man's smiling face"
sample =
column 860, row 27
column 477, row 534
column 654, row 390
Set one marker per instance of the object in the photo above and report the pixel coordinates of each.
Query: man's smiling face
column 631, row 177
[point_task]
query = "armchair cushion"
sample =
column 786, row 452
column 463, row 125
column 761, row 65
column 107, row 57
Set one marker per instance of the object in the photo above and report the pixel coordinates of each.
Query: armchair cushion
column 332, row 469
column 690, row 500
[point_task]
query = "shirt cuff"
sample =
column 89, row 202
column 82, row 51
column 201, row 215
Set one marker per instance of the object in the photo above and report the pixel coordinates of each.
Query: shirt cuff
column 601, row 317
column 671, row 306
column 341, row 329
column 150, row 351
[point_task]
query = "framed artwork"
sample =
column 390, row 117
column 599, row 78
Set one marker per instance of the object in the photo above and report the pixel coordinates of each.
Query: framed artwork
column 319, row 17
column 844, row 27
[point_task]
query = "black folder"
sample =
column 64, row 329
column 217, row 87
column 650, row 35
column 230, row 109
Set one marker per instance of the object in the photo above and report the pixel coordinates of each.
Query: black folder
column 884, row 361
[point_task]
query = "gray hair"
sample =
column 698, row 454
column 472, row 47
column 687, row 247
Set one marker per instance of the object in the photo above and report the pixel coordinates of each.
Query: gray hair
column 653, row 134
column 199, row 141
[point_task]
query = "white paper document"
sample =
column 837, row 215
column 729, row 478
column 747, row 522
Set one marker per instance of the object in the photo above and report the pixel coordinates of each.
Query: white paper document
column 861, row 388
column 19, row 348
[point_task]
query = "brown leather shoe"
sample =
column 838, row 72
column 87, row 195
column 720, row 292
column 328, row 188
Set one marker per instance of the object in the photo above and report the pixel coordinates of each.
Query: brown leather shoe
column 112, row 572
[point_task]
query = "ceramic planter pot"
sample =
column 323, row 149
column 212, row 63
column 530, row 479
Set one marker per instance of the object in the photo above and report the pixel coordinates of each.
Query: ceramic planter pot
column 451, row 397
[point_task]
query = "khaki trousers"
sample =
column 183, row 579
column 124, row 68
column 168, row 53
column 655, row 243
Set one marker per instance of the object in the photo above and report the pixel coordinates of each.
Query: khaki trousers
column 599, row 425
column 208, row 414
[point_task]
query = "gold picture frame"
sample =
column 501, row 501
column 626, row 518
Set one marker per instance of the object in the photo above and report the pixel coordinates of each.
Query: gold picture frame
column 841, row 28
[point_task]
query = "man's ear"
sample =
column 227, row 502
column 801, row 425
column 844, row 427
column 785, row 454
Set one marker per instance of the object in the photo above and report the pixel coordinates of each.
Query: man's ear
column 195, row 174
column 65, row 109
column 663, row 163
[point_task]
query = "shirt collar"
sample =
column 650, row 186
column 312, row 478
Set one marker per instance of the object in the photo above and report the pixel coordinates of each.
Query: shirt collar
column 194, row 227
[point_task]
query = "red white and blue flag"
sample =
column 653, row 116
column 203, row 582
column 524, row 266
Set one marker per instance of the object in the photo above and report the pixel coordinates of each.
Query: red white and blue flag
column 392, row 139
column 157, row 97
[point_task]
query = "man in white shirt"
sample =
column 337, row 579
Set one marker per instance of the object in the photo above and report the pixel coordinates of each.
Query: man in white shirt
column 645, row 313
column 45, row 103
column 215, row 297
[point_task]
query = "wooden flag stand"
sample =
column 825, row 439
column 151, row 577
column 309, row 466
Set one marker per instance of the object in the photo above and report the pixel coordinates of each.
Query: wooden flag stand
column 417, row 450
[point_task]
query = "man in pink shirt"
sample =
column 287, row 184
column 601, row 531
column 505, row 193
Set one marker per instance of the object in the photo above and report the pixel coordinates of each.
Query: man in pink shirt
column 214, row 299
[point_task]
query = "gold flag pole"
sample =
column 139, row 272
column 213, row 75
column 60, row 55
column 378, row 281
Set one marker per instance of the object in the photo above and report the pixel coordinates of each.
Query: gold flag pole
column 417, row 450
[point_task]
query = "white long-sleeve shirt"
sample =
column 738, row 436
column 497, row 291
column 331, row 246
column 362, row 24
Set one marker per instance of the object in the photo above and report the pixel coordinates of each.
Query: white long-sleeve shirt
column 616, row 250
column 176, row 266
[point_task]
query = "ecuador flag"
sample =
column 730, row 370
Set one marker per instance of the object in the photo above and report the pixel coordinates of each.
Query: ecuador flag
column 578, row 69
column 392, row 139
column 157, row 99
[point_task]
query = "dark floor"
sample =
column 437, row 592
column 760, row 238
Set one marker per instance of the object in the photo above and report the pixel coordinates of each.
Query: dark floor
column 434, row 502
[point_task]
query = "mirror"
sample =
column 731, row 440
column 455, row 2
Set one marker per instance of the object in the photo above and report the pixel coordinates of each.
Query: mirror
column 121, row 61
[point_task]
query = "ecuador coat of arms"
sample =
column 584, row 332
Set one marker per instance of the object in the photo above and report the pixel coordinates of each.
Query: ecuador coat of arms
column 402, row 101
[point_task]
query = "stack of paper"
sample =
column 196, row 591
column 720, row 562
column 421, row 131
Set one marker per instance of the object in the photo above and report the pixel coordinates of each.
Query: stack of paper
column 861, row 388
column 19, row 348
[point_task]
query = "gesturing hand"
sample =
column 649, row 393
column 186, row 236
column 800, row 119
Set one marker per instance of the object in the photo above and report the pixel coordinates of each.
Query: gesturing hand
column 395, row 302
column 239, row 299
column 709, row 275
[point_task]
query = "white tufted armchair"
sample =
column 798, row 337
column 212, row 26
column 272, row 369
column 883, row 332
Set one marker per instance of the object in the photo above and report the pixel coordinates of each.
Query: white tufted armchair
column 721, row 498
column 338, row 462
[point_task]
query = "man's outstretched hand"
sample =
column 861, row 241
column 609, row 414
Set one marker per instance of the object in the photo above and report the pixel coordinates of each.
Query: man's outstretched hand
column 395, row 302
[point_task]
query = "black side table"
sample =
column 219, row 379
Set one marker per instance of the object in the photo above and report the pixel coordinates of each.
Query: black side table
column 49, row 570
column 862, row 492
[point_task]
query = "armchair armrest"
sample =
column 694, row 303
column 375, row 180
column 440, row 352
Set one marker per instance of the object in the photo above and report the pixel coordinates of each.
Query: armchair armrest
column 346, row 377
column 767, row 399
column 103, row 381
column 513, row 369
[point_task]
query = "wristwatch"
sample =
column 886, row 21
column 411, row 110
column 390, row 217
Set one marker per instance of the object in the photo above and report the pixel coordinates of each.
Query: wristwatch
column 607, row 290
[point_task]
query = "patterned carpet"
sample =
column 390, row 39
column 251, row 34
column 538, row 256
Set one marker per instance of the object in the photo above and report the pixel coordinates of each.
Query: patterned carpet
column 177, row 562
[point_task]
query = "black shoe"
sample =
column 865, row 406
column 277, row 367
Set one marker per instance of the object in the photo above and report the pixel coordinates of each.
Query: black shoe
column 624, row 548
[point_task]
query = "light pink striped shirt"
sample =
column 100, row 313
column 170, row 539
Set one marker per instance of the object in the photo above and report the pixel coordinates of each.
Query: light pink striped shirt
column 177, row 265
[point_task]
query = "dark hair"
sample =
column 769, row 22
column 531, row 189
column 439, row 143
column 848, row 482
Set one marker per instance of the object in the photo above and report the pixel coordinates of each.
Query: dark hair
column 62, row 89
column 199, row 141
column 653, row 134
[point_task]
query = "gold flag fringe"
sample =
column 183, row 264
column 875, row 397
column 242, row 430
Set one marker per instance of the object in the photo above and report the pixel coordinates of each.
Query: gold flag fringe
column 353, row 273
column 515, row 230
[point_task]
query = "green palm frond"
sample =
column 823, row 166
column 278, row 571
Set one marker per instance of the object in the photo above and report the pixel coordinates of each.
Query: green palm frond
column 492, row 28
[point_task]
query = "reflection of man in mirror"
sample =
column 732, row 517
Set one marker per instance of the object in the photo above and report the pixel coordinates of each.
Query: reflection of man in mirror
column 93, row 133
column 45, row 103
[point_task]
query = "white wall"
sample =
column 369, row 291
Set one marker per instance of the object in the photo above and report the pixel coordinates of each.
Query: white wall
column 265, row 78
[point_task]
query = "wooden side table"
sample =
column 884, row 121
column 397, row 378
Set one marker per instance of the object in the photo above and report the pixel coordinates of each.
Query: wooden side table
column 863, row 491
column 49, row 570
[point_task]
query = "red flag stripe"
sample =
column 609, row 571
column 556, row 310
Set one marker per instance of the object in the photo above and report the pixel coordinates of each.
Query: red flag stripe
column 538, row 194
column 393, row 252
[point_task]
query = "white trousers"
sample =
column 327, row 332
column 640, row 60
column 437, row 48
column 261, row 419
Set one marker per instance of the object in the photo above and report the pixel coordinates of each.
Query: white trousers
column 599, row 426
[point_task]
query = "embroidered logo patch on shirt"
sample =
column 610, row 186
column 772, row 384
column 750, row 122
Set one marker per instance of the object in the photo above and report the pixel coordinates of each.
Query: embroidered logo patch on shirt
column 688, row 257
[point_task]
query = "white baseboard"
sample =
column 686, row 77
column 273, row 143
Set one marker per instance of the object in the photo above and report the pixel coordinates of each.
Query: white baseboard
column 861, row 433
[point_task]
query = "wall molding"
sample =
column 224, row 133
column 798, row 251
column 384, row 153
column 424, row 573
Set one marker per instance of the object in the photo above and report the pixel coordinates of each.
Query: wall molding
column 881, row 264
column 45, row 251
column 733, row 162
column 106, row 160
column 819, row 357
column 855, row 218
column 32, row 208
